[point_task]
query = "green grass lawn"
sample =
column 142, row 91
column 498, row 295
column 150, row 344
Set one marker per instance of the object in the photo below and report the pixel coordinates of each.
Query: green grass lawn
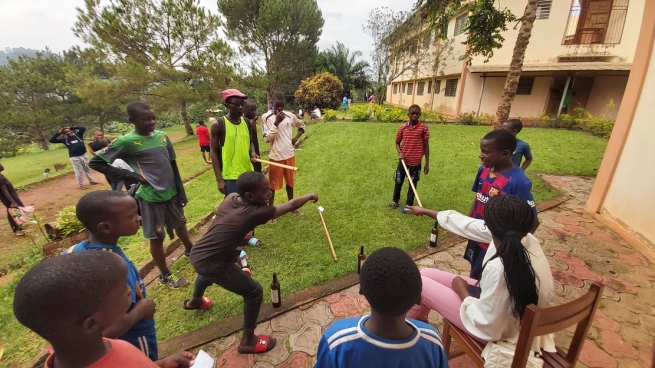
column 350, row 166
column 27, row 169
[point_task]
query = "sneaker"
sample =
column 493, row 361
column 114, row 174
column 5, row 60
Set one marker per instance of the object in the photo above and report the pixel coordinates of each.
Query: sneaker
column 187, row 253
column 173, row 281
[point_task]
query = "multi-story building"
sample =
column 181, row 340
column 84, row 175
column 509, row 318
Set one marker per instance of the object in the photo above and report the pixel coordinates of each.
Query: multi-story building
column 580, row 55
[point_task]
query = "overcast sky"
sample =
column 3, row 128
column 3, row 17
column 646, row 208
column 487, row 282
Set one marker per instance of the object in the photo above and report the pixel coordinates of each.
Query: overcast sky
column 36, row 24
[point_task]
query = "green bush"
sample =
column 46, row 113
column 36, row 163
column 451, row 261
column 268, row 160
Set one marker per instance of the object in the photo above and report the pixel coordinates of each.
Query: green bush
column 469, row 118
column 360, row 112
column 330, row 115
column 118, row 127
column 67, row 222
column 600, row 125
column 391, row 115
column 433, row 116
column 323, row 90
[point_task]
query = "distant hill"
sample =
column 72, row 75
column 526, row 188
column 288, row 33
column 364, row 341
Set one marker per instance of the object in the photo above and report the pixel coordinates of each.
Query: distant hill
column 14, row 53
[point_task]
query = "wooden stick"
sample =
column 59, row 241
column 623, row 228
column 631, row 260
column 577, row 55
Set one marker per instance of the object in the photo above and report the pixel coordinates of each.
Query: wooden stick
column 276, row 164
column 409, row 177
column 334, row 254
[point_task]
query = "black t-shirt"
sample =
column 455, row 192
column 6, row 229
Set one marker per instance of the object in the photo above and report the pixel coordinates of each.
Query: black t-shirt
column 225, row 238
column 99, row 145
column 12, row 192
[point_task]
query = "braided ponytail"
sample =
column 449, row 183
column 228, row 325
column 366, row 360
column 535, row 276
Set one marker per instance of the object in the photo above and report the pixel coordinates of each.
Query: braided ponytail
column 510, row 219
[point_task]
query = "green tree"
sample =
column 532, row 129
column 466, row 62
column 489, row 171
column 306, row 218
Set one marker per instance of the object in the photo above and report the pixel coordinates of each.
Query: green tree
column 33, row 97
column 167, row 51
column 339, row 61
column 324, row 90
column 280, row 36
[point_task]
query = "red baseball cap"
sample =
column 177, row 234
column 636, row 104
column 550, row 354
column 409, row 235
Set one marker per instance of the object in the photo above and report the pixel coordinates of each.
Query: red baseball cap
column 232, row 93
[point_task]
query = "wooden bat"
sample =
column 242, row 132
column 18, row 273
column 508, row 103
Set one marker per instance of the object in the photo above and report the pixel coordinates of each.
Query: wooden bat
column 409, row 177
column 276, row 164
column 320, row 213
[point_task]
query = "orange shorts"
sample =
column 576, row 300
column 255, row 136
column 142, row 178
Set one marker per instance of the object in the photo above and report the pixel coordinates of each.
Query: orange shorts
column 275, row 174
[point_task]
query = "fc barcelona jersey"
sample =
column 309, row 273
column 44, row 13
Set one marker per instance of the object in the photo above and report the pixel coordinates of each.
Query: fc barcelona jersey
column 488, row 184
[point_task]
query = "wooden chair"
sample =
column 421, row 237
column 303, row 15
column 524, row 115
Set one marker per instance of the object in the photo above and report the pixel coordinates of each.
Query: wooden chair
column 537, row 322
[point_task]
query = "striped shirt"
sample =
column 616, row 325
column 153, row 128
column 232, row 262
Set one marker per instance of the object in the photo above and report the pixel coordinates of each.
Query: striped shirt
column 411, row 140
column 347, row 343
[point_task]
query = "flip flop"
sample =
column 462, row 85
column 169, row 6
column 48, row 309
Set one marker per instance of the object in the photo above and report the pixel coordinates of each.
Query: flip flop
column 206, row 304
column 393, row 206
column 273, row 221
column 261, row 346
column 19, row 233
column 297, row 213
column 406, row 211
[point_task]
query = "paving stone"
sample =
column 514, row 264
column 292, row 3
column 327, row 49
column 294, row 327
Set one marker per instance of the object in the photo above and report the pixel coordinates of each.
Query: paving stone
column 425, row 262
column 636, row 335
column 616, row 346
column 635, row 305
column 628, row 363
column 604, row 237
column 264, row 328
column 352, row 291
column 346, row 307
column 557, row 245
column 646, row 357
column 602, row 321
column 333, row 298
column 442, row 256
column 583, row 273
column 225, row 343
column 619, row 313
column 611, row 294
column 555, row 263
column 562, row 233
column 289, row 322
column 634, row 259
column 232, row 358
column 647, row 273
column 564, row 277
column 607, row 268
column 592, row 356
column 446, row 268
column 647, row 321
column 566, row 221
column 460, row 264
column 576, row 229
column 549, row 223
column 587, row 256
column 297, row 360
column 320, row 314
column 279, row 353
column 436, row 320
column 568, row 259
column 306, row 339
column 263, row 365
column 306, row 305
column 646, row 296
column 618, row 285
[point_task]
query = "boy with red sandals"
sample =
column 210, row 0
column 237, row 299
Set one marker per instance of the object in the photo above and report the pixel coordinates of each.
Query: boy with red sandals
column 215, row 255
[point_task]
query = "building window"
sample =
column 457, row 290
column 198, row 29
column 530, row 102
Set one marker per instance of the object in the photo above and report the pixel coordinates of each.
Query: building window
column 543, row 9
column 437, row 87
column 419, row 88
column 395, row 88
column 451, row 88
column 403, row 91
column 429, row 87
column 595, row 22
column 410, row 88
column 460, row 23
column 525, row 86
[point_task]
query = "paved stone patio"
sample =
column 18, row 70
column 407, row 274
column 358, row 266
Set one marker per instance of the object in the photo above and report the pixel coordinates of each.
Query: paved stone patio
column 580, row 250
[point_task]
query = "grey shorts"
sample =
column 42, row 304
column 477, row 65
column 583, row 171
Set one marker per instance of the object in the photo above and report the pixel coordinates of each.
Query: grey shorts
column 157, row 216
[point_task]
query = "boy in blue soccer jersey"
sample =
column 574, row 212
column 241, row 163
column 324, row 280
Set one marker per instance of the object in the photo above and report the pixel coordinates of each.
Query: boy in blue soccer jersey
column 391, row 283
column 496, row 176
column 108, row 215
column 514, row 126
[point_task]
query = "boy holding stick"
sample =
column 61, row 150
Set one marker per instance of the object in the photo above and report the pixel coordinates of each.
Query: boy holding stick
column 412, row 144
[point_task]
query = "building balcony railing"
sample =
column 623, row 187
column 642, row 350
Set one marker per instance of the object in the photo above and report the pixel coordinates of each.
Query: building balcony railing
column 595, row 22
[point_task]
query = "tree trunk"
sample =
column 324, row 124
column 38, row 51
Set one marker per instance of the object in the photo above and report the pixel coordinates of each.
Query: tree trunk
column 185, row 118
column 514, row 73
column 42, row 141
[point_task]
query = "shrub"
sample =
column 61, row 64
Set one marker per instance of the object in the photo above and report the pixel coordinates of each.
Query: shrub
column 469, row 118
column 67, row 222
column 360, row 113
column 434, row 116
column 330, row 115
column 324, row 90
column 391, row 115
column 119, row 128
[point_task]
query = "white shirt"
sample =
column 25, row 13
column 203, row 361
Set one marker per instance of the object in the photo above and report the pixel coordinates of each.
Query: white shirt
column 490, row 317
column 118, row 163
column 280, row 137
column 317, row 112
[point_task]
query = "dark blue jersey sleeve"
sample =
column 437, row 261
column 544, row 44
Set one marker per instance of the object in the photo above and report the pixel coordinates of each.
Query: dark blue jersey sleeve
column 476, row 183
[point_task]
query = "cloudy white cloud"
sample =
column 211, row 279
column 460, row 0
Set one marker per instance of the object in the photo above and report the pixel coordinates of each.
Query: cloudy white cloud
column 38, row 24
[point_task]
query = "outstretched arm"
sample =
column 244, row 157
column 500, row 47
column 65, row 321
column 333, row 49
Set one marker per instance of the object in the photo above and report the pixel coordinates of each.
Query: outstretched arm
column 102, row 166
column 294, row 204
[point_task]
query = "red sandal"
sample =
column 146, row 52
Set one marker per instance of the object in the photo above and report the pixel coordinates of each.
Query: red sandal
column 206, row 304
column 261, row 346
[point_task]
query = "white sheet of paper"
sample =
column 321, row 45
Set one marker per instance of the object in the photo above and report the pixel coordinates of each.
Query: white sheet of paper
column 203, row 360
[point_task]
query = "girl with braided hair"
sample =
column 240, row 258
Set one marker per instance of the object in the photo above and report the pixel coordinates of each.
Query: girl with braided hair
column 515, row 274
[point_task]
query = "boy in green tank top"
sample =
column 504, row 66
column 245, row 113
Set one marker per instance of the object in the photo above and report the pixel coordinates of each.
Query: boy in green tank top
column 161, row 195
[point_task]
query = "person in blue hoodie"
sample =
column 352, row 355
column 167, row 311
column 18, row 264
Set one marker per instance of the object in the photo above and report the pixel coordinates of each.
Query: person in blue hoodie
column 73, row 138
